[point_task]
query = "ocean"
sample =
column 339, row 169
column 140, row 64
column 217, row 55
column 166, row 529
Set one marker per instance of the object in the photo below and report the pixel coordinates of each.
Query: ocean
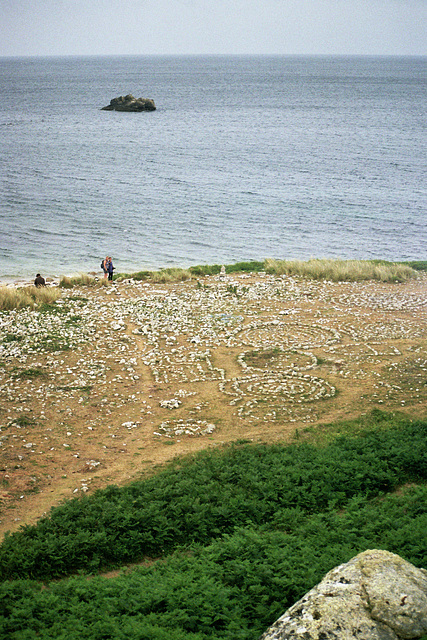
column 245, row 158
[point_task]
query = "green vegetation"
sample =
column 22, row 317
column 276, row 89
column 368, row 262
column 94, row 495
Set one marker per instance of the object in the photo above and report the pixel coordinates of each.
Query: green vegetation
column 53, row 342
column 28, row 374
column 12, row 337
column 176, row 275
column 318, row 269
column 239, row 535
column 162, row 276
column 419, row 265
column 23, row 421
column 137, row 275
column 261, row 358
column 238, row 267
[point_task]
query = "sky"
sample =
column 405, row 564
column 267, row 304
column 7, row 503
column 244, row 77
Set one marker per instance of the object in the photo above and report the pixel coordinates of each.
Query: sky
column 134, row 27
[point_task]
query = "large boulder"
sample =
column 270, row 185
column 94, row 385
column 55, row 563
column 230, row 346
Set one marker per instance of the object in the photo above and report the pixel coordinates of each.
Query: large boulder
column 375, row 596
column 129, row 103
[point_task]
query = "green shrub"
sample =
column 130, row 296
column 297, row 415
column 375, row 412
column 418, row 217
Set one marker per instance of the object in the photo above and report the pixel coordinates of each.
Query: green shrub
column 418, row 265
column 254, row 527
column 233, row 588
column 203, row 497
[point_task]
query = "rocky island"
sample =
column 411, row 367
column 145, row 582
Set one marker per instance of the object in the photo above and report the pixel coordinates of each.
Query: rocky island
column 130, row 103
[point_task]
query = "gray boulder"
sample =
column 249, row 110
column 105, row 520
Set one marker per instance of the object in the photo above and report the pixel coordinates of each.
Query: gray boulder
column 129, row 103
column 375, row 596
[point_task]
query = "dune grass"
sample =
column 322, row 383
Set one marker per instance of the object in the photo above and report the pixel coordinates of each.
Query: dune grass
column 171, row 275
column 316, row 269
column 11, row 298
column 175, row 274
column 342, row 270
column 82, row 280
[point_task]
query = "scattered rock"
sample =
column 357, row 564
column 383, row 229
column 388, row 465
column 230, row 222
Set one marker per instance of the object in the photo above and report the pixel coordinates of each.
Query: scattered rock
column 173, row 403
column 375, row 596
column 129, row 103
column 274, row 353
column 185, row 427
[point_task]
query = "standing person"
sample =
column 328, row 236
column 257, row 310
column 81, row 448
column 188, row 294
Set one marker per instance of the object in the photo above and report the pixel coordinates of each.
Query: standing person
column 39, row 281
column 110, row 268
column 104, row 267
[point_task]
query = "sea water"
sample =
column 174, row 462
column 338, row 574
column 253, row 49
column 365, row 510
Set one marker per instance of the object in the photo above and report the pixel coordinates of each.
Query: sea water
column 245, row 158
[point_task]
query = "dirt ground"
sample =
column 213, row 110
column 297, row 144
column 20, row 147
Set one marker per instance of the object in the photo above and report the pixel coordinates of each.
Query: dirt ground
column 109, row 383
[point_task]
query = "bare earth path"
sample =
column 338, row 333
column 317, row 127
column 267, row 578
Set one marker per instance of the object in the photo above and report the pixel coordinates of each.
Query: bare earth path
column 110, row 382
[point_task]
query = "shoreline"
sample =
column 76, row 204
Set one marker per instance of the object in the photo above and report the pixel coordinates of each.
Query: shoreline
column 315, row 268
column 51, row 281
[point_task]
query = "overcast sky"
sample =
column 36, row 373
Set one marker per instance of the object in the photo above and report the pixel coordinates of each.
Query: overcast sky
column 111, row 27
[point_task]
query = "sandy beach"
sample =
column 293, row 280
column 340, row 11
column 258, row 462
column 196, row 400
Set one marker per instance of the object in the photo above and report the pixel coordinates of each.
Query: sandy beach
column 110, row 382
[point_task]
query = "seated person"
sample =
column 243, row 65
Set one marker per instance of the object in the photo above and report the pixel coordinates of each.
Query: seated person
column 39, row 281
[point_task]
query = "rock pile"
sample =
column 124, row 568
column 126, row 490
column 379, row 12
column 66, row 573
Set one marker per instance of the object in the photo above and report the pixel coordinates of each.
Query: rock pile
column 375, row 596
column 129, row 103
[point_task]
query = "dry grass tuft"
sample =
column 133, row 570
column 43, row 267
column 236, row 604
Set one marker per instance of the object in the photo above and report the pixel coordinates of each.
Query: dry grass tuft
column 83, row 279
column 171, row 275
column 14, row 299
column 26, row 297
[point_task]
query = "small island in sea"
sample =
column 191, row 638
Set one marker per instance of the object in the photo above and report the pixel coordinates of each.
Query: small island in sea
column 130, row 103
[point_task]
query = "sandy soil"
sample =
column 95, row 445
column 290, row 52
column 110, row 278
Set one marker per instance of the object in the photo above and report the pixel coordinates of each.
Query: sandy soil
column 111, row 382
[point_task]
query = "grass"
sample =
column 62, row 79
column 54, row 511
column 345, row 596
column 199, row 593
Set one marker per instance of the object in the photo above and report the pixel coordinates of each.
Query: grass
column 238, row 267
column 11, row 298
column 53, row 343
column 12, row 337
column 171, row 275
column 318, row 269
column 261, row 358
column 176, row 274
column 82, row 280
column 28, row 374
column 23, row 421
column 419, row 265
column 164, row 275
column 342, row 270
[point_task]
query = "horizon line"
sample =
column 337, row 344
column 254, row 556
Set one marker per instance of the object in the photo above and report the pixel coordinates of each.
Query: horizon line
column 237, row 55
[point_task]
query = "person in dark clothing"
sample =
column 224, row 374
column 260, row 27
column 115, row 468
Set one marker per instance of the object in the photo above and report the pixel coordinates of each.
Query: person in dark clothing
column 110, row 268
column 39, row 281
